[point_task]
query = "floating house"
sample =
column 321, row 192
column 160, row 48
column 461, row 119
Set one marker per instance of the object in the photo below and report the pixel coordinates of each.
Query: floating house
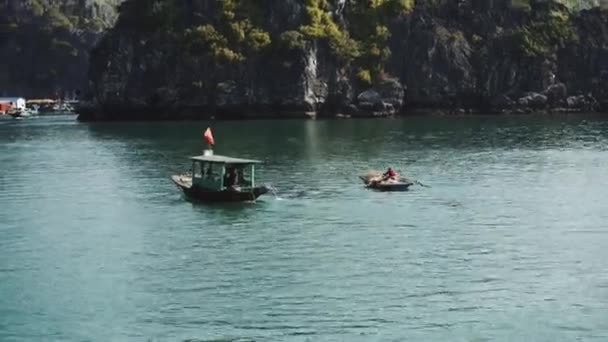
column 15, row 103
column 4, row 107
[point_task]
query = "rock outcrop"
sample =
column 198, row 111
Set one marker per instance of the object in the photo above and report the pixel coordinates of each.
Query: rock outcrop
column 297, row 58
column 45, row 44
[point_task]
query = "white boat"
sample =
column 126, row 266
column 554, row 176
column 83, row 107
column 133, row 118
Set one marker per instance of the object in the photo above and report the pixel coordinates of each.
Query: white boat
column 33, row 110
column 19, row 113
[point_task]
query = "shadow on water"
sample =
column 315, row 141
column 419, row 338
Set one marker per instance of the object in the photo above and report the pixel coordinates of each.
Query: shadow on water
column 228, row 207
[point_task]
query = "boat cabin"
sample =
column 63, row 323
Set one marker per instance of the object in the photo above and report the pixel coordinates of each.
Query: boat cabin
column 215, row 172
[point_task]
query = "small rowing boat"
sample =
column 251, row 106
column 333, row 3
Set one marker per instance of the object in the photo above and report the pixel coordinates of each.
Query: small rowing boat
column 374, row 180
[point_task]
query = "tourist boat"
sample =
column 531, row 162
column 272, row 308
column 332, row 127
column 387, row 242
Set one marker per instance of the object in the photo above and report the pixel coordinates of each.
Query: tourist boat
column 216, row 178
column 373, row 181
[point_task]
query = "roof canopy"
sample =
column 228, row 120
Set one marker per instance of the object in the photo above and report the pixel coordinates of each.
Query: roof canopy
column 224, row 160
column 41, row 101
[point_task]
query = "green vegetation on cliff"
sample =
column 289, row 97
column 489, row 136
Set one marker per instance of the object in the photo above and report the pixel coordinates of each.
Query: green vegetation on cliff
column 348, row 57
column 363, row 40
column 550, row 29
column 228, row 31
column 233, row 37
column 573, row 4
column 232, row 30
column 543, row 37
column 356, row 32
column 56, row 15
column 46, row 44
column 370, row 28
column 322, row 26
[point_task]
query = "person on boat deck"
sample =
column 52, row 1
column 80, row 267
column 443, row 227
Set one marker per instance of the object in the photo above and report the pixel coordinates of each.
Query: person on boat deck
column 209, row 172
column 231, row 178
column 390, row 174
column 241, row 177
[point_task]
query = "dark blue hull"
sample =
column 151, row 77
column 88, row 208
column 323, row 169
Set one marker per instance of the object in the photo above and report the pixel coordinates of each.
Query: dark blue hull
column 228, row 195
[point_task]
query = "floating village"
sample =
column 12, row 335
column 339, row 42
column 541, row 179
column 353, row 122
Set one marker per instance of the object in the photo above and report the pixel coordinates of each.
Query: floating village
column 19, row 107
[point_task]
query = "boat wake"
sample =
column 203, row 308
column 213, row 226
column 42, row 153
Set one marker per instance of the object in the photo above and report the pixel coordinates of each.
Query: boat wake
column 274, row 192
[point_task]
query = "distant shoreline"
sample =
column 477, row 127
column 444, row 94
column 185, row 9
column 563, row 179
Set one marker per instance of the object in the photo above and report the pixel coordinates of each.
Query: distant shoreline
column 177, row 114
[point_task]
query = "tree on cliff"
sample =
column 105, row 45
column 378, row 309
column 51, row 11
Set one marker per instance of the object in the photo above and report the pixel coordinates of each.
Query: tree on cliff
column 343, row 56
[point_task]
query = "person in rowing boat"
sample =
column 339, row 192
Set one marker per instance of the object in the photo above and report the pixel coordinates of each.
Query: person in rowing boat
column 390, row 175
column 230, row 179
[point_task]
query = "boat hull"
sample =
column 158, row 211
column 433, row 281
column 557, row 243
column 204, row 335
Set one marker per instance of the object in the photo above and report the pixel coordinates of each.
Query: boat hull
column 390, row 187
column 386, row 186
column 229, row 195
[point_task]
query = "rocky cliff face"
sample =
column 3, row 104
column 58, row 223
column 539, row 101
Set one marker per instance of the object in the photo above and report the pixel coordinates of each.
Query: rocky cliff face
column 503, row 58
column 45, row 44
column 188, row 71
column 231, row 58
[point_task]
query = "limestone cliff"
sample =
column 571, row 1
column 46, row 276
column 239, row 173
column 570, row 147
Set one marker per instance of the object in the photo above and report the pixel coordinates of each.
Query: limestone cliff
column 237, row 58
column 45, row 44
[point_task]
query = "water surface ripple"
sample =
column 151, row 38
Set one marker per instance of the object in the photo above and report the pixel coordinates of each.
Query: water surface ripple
column 508, row 243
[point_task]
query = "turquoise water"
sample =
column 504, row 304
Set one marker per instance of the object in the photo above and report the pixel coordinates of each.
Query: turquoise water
column 508, row 244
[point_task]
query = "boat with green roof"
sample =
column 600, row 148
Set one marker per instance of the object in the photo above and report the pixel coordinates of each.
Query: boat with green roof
column 216, row 178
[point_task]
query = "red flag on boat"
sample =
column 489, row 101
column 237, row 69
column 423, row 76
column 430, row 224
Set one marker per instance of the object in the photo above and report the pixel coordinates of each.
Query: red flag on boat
column 209, row 137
